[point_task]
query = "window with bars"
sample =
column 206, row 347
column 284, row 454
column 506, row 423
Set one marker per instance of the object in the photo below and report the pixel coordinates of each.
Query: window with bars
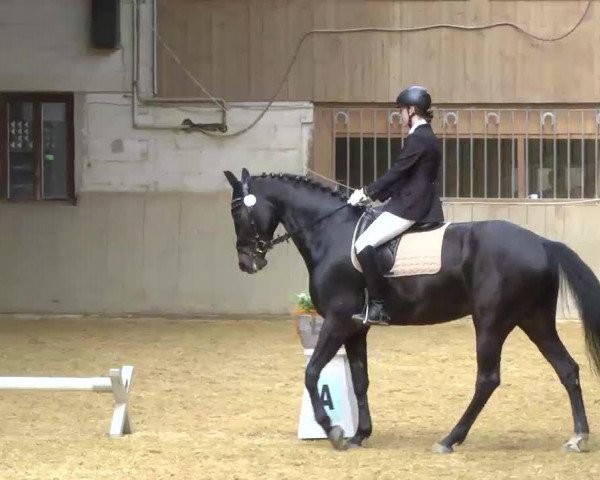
column 487, row 154
column 36, row 147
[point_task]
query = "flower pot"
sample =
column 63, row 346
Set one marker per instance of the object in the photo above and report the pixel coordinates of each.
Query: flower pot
column 308, row 327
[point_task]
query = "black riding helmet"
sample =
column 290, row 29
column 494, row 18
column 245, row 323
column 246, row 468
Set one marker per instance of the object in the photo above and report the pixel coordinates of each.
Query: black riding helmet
column 414, row 96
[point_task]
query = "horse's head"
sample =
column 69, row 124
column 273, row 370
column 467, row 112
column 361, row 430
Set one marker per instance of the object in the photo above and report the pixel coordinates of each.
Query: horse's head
column 254, row 220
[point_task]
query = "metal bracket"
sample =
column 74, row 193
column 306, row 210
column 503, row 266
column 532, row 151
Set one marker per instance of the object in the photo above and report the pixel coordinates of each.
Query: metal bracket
column 392, row 115
column 210, row 127
column 492, row 115
column 543, row 118
column 448, row 115
column 343, row 114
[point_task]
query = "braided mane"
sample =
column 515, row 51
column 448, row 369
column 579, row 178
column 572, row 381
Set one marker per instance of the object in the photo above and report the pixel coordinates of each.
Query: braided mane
column 303, row 179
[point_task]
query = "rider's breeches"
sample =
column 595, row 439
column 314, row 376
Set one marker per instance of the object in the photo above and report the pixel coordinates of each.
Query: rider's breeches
column 385, row 227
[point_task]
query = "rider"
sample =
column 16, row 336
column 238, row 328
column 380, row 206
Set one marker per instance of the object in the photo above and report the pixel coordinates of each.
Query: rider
column 411, row 188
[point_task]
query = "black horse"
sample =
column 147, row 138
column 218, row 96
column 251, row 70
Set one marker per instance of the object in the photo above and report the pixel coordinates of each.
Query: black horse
column 503, row 275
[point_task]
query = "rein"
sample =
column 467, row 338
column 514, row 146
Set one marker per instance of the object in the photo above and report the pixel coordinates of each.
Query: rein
column 263, row 246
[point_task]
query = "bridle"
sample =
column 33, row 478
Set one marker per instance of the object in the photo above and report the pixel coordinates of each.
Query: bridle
column 261, row 247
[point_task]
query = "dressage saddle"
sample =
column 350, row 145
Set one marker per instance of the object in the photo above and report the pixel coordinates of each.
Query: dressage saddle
column 386, row 253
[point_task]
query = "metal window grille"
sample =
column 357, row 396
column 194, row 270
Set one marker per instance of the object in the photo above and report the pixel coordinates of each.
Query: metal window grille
column 537, row 153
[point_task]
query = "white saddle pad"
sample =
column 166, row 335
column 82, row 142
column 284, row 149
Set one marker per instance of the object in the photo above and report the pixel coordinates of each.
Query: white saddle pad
column 419, row 253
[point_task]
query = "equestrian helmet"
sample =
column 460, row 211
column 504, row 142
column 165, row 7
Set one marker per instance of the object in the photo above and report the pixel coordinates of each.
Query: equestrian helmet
column 414, row 96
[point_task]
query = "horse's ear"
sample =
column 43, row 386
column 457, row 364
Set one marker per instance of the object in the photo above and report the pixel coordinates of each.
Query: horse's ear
column 245, row 175
column 233, row 181
column 245, row 181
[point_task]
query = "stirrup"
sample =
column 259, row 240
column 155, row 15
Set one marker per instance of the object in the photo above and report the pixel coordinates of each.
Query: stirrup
column 364, row 320
column 364, row 316
column 381, row 323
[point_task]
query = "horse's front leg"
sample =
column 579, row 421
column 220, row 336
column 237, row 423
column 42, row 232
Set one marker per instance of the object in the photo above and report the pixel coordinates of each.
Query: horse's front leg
column 356, row 349
column 331, row 338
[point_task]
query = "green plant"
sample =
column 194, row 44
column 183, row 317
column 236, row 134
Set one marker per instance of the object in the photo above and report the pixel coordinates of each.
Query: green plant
column 304, row 302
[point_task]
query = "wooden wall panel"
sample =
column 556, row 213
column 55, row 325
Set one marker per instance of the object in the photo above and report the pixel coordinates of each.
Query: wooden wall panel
column 328, row 53
column 232, row 44
column 268, row 47
column 301, row 79
column 240, row 49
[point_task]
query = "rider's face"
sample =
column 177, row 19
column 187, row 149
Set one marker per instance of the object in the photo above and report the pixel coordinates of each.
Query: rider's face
column 405, row 113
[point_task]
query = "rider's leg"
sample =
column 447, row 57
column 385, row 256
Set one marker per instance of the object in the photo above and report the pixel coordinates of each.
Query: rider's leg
column 384, row 228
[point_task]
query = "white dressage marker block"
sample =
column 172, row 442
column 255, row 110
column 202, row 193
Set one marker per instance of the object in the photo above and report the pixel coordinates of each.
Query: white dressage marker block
column 119, row 382
column 336, row 389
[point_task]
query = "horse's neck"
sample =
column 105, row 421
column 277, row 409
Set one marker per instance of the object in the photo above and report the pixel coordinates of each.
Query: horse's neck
column 299, row 207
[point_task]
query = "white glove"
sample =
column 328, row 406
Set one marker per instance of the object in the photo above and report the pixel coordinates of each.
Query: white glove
column 358, row 196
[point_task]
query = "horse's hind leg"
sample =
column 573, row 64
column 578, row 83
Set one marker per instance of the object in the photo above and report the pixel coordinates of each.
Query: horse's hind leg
column 490, row 338
column 542, row 331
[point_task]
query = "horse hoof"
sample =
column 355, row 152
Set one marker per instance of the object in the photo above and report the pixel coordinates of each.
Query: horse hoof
column 336, row 437
column 354, row 442
column 439, row 448
column 577, row 443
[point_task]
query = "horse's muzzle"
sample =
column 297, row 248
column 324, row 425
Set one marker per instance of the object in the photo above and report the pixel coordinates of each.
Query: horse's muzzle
column 249, row 263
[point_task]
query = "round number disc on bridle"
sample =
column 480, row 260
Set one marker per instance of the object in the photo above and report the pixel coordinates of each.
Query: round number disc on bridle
column 249, row 200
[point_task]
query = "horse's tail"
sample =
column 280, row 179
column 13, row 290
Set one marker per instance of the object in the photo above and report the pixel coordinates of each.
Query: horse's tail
column 586, row 290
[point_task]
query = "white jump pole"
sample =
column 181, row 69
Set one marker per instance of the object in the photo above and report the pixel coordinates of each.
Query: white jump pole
column 118, row 381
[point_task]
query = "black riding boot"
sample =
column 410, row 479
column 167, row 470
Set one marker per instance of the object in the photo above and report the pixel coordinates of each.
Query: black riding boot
column 376, row 314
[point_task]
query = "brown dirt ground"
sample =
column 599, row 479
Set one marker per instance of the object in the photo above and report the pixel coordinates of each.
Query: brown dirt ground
column 220, row 399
